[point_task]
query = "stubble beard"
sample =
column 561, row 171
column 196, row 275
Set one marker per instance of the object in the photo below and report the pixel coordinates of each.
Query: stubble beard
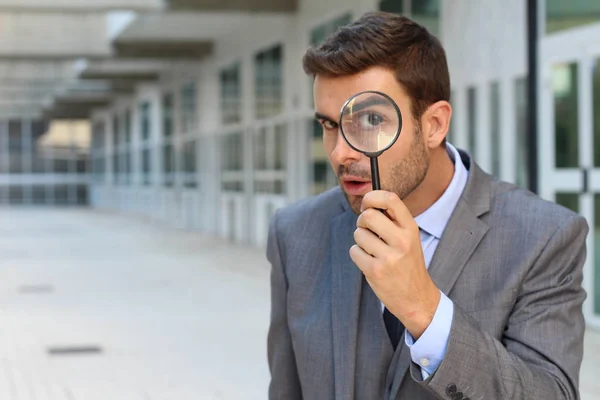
column 404, row 177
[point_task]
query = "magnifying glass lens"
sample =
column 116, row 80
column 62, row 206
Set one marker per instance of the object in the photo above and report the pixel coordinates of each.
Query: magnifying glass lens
column 370, row 122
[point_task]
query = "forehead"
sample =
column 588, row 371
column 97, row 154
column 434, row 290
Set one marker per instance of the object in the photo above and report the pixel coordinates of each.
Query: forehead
column 331, row 93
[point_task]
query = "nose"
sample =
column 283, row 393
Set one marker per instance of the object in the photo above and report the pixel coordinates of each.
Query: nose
column 342, row 153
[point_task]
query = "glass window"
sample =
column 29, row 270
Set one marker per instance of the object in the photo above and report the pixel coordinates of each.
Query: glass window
column 81, row 164
column 342, row 20
column 38, row 194
column 270, row 150
column 128, row 126
column 232, row 152
column 318, row 35
column 596, row 111
column 82, row 195
column 190, row 164
column 566, row 119
column 232, row 162
column 260, row 149
column 269, row 82
column 145, row 122
column 323, row 176
column 97, row 151
column 98, row 168
column 39, row 155
column 116, row 132
column 127, row 151
column 495, row 127
column 61, row 195
column 15, row 194
column 596, row 271
column 168, row 164
column 424, row 12
column 392, row 6
column 128, row 167
column 472, row 128
column 117, row 166
column 280, row 156
column 15, row 147
column 3, row 147
column 521, row 114
column 427, row 14
column 568, row 200
column 452, row 128
column 62, row 161
column 231, row 94
column 98, row 137
column 566, row 14
column 167, row 105
column 188, row 107
column 146, row 178
column 323, row 31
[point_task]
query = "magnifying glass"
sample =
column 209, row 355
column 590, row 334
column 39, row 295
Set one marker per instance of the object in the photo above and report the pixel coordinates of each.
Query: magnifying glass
column 370, row 123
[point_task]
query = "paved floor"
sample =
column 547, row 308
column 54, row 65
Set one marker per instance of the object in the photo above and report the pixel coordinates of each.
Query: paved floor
column 173, row 315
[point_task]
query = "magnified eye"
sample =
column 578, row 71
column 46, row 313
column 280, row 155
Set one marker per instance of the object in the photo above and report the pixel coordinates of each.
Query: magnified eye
column 370, row 120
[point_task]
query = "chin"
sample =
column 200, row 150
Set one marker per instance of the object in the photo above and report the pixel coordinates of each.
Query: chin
column 354, row 202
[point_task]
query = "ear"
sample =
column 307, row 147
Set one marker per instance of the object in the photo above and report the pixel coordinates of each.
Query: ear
column 436, row 122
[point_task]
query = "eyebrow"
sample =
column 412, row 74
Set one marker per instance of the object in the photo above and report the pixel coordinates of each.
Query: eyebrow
column 373, row 100
column 325, row 117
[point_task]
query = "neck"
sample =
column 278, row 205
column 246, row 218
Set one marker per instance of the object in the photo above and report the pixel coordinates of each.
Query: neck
column 437, row 180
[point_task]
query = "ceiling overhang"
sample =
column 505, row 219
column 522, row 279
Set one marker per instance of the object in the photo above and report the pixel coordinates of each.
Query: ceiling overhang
column 233, row 5
column 161, row 49
column 80, row 6
column 75, row 107
column 120, row 74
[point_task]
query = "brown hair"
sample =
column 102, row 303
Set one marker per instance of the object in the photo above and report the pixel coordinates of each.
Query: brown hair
column 390, row 41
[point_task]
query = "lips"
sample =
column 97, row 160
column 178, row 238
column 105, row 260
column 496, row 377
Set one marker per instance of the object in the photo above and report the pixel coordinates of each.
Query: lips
column 356, row 186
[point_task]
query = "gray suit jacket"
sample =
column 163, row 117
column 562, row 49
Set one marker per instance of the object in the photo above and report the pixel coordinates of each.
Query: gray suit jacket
column 511, row 263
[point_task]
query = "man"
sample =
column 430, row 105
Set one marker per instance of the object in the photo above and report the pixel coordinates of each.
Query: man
column 465, row 287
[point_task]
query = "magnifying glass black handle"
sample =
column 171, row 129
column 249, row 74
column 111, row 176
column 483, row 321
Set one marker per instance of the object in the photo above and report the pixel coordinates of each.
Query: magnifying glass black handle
column 375, row 174
column 375, row 177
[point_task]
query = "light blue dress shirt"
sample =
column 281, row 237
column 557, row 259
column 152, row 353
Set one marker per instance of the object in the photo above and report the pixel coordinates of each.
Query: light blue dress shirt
column 429, row 351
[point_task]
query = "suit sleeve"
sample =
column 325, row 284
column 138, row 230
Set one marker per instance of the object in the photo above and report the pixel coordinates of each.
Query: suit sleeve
column 540, row 354
column 284, row 384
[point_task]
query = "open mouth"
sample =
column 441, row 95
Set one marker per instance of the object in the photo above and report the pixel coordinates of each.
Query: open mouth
column 356, row 187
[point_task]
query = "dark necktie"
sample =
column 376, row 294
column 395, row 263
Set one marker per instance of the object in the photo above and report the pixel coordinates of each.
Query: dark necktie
column 393, row 326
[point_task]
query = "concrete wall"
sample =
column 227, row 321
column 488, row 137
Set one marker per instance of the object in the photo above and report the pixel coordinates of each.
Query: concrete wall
column 53, row 35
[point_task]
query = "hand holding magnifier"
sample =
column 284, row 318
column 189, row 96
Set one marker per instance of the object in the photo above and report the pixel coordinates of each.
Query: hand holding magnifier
column 370, row 123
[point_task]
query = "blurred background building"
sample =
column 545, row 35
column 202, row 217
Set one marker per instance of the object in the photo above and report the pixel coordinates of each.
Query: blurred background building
column 197, row 113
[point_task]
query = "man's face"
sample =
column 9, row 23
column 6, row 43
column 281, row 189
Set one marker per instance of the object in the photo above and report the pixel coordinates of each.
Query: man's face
column 401, row 168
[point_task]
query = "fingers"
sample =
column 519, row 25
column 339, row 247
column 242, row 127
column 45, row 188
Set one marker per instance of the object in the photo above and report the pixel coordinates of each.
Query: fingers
column 369, row 242
column 361, row 258
column 392, row 205
column 380, row 224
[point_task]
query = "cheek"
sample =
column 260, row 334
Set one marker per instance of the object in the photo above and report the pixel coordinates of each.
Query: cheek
column 399, row 150
column 329, row 142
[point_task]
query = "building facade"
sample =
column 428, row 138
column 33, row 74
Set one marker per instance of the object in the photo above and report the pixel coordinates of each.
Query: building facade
column 217, row 142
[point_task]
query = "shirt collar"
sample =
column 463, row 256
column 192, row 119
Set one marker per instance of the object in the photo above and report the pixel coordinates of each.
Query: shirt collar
column 435, row 218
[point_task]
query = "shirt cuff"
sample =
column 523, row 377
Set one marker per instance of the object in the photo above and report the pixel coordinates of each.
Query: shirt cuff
column 429, row 351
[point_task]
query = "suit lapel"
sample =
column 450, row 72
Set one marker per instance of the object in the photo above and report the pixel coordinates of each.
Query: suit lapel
column 346, row 282
column 464, row 231
column 462, row 235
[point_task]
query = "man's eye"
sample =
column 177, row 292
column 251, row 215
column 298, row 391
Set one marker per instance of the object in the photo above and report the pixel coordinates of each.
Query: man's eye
column 329, row 125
